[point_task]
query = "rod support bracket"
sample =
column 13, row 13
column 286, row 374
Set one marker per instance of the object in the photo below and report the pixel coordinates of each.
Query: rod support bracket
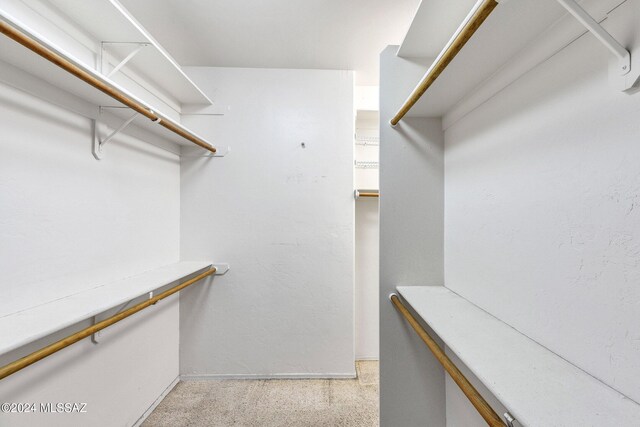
column 221, row 268
column 138, row 46
column 95, row 337
column 595, row 28
column 98, row 141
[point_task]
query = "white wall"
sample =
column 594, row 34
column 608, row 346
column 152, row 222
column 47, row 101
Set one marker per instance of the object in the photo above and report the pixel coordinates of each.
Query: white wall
column 367, row 279
column 367, row 227
column 282, row 216
column 548, row 170
column 69, row 222
column 412, row 389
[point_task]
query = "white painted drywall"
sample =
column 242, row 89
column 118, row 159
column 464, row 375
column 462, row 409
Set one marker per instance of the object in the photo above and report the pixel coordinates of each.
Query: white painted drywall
column 367, row 226
column 412, row 383
column 67, row 223
column 282, row 215
column 367, row 279
column 541, row 215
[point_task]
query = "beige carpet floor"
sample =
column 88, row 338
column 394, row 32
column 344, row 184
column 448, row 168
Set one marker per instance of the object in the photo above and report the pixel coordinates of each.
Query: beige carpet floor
column 273, row 403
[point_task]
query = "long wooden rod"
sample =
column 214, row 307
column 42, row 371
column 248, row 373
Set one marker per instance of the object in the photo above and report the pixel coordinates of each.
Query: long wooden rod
column 365, row 194
column 34, row 357
column 476, row 399
column 461, row 38
column 98, row 82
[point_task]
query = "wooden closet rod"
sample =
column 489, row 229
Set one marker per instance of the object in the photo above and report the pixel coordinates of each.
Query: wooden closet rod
column 476, row 399
column 32, row 358
column 482, row 10
column 365, row 194
column 94, row 79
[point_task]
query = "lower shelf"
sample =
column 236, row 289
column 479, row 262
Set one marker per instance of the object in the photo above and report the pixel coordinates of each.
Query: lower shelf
column 26, row 326
column 538, row 387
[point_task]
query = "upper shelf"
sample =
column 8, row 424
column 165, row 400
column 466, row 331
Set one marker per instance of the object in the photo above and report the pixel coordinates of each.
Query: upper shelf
column 510, row 30
column 537, row 386
column 58, row 70
column 28, row 325
column 109, row 21
column 432, row 26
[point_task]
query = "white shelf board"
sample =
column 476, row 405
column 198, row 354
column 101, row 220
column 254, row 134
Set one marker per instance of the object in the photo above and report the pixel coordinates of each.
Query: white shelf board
column 508, row 32
column 109, row 21
column 26, row 326
column 432, row 26
column 537, row 386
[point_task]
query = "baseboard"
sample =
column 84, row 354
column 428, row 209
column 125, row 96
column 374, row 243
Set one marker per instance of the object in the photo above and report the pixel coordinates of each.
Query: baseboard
column 199, row 377
column 367, row 359
column 156, row 402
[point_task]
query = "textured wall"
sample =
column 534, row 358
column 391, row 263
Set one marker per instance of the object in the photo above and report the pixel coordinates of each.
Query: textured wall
column 282, row 215
column 367, row 279
column 412, row 389
column 541, row 212
column 69, row 222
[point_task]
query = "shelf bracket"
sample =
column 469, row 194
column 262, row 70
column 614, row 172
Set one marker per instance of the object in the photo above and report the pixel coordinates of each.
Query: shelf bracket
column 95, row 338
column 122, row 63
column 98, row 142
column 623, row 55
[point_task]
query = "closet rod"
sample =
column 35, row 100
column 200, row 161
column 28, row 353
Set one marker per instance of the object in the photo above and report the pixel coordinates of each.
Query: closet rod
column 33, row 42
column 481, row 11
column 365, row 194
column 476, row 399
column 34, row 357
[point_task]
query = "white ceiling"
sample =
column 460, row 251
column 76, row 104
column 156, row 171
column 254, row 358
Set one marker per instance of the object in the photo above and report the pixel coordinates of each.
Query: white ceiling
column 323, row 34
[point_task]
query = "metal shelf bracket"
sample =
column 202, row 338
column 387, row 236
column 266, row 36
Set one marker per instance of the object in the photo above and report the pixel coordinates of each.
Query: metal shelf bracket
column 103, row 55
column 98, row 142
column 95, row 338
column 623, row 55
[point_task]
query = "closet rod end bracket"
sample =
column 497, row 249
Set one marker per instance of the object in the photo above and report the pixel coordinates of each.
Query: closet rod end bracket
column 221, row 268
column 509, row 419
column 625, row 64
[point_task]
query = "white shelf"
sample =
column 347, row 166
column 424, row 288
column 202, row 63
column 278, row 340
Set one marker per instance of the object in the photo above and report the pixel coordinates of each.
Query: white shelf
column 26, row 326
column 510, row 31
column 366, row 164
column 28, row 71
column 109, row 21
column 363, row 140
column 537, row 386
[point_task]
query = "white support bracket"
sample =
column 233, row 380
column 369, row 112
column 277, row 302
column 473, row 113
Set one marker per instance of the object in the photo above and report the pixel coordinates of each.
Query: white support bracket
column 623, row 55
column 103, row 55
column 98, row 142
column 221, row 269
column 95, row 338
